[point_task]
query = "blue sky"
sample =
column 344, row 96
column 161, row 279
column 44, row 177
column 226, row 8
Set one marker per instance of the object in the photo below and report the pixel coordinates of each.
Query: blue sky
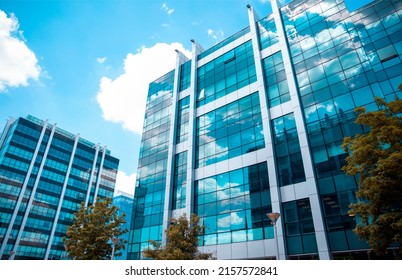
column 86, row 65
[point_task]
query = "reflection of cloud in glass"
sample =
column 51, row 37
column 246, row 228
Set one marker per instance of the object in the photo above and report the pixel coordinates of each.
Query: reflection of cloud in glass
column 223, row 195
column 207, row 120
column 238, row 191
column 268, row 32
column 209, row 185
column 159, row 94
column 321, row 108
column 310, row 111
column 300, row 12
column 278, row 126
column 336, row 35
column 224, row 222
column 151, row 169
column 203, row 139
column 212, row 149
column 227, row 220
column 329, row 108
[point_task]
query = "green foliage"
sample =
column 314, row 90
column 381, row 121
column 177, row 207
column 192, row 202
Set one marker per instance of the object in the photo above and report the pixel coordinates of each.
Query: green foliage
column 376, row 158
column 90, row 235
column 182, row 241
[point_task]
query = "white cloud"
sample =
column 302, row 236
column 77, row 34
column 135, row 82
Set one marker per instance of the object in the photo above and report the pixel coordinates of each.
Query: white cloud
column 101, row 59
column 216, row 34
column 125, row 183
column 168, row 10
column 17, row 62
column 123, row 99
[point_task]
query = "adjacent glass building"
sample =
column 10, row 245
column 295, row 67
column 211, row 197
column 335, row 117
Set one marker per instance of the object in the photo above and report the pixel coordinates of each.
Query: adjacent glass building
column 254, row 125
column 45, row 174
column 124, row 201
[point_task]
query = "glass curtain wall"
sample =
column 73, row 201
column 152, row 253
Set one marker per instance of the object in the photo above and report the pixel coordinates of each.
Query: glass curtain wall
column 151, row 183
column 342, row 61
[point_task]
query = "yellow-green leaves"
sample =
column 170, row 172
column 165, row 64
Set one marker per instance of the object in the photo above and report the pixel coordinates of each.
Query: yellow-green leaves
column 376, row 158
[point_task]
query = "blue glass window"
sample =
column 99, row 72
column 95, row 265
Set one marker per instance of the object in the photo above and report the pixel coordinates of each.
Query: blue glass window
column 185, row 75
column 267, row 32
column 229, row 131
column 299, row 228
column 233, row 205
column 179, row 181
column 183, row 120
column 225, row 74
column 275, row 80
column 287, row 151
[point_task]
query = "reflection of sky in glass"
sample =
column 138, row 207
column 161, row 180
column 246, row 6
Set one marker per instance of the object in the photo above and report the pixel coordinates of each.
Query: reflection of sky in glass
column 328, row 52
column 230, row 219
column 267, row 31
column 353, row 5
column 229, row 131
column 231, row 205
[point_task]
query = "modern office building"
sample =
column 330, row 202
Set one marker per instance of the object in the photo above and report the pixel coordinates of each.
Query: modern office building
column 254, row 124
column 45, row 174
column 124, row 201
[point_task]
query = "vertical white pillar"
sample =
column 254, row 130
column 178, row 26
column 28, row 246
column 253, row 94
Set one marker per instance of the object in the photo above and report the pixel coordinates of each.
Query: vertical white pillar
column 63, row 191
column 190, row 184
column 91, row 179
column 322, row 243
column 31, row 198
column 172, row 147
column 266, row 121
column 21, row 195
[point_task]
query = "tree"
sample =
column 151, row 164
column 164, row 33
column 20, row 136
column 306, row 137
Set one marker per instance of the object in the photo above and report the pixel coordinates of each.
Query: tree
column 376, row 159
column 182, row 241
column 95, row 232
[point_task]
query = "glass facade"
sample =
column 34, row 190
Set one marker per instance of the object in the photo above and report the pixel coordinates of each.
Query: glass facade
column 125, row 203
column 287, row 150
column 45, row 174
column 269, row 106
column 182, row 130
column 225, row 74
column 342, row 61
column 179, row 183
column 299, row 228
column 233, row 205
column 185, row 71
column 229, row 131
column 225, row 42
column 275, row 80
column 149, row 196
column 267, row 32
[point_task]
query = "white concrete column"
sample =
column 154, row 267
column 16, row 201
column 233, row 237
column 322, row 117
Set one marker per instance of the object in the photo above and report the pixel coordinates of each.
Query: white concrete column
column 309, row 187
column 31, row 198
column 180, row 59
column 63, row 191
column 190, row 184
column 24, row 186
column 266, row 121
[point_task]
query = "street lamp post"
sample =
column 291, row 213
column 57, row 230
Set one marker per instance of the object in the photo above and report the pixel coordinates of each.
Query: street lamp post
column 114, row 241
column 274, row 218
